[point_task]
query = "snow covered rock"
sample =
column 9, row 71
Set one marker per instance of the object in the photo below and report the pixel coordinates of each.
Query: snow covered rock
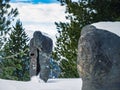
column 99, row 59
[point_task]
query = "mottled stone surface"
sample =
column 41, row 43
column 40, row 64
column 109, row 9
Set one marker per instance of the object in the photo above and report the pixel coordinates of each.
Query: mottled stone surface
column 99, row 59
column 40, row 54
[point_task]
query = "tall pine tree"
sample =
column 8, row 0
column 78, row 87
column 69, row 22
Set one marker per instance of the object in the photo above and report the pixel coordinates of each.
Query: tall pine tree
column 7, row 15
column 79, row 14
column 16, row 56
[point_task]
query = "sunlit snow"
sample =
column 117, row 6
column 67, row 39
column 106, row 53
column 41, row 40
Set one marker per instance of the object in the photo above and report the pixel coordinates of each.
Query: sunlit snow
column 52, row 84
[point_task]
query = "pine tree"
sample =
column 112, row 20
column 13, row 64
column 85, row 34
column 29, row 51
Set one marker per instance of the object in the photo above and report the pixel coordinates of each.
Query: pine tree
column 16, row 55
column 7, row 15
column 79, row 14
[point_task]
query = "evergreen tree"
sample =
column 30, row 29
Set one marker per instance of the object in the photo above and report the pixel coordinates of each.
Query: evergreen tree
column 16, row 56
column 7, row 15
column 80, row 14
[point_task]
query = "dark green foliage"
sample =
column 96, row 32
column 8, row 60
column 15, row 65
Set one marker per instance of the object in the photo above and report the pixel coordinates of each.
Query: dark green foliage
column 64, row 41
column 15, row 63
column 79, row 14
column 106, row 10
column 7, row 15
column 14, row 60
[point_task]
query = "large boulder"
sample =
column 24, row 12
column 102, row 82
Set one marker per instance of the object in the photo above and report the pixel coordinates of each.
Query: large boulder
column 40, row 54
column 99, row 59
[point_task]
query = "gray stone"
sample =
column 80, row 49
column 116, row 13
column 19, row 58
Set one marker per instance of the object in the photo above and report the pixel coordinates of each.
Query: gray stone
column 98, row 59
column 40, row 53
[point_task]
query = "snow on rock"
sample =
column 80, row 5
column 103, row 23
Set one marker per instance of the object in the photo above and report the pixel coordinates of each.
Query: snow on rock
column 52, row 84
column 113, row 27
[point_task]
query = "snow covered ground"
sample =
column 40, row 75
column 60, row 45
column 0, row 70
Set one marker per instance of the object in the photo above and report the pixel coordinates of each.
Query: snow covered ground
column 52, row 84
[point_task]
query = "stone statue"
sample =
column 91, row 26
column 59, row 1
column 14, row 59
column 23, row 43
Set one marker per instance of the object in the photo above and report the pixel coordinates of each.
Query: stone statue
column 40, row 53
column 99, row 59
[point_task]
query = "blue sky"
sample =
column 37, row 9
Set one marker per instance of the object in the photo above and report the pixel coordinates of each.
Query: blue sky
column 36, row 1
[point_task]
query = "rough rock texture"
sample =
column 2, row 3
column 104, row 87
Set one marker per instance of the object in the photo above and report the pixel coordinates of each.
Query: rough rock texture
column 40, row 53
column 99, row 59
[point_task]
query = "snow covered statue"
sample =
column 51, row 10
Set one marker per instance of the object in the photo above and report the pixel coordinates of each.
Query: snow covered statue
column 40, row 54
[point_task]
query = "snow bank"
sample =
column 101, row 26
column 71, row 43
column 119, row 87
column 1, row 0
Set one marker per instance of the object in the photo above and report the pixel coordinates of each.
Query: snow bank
column 52, row 84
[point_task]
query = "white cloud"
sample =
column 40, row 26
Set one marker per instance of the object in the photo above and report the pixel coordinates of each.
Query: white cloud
column 40, row 17
column 40, row 13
